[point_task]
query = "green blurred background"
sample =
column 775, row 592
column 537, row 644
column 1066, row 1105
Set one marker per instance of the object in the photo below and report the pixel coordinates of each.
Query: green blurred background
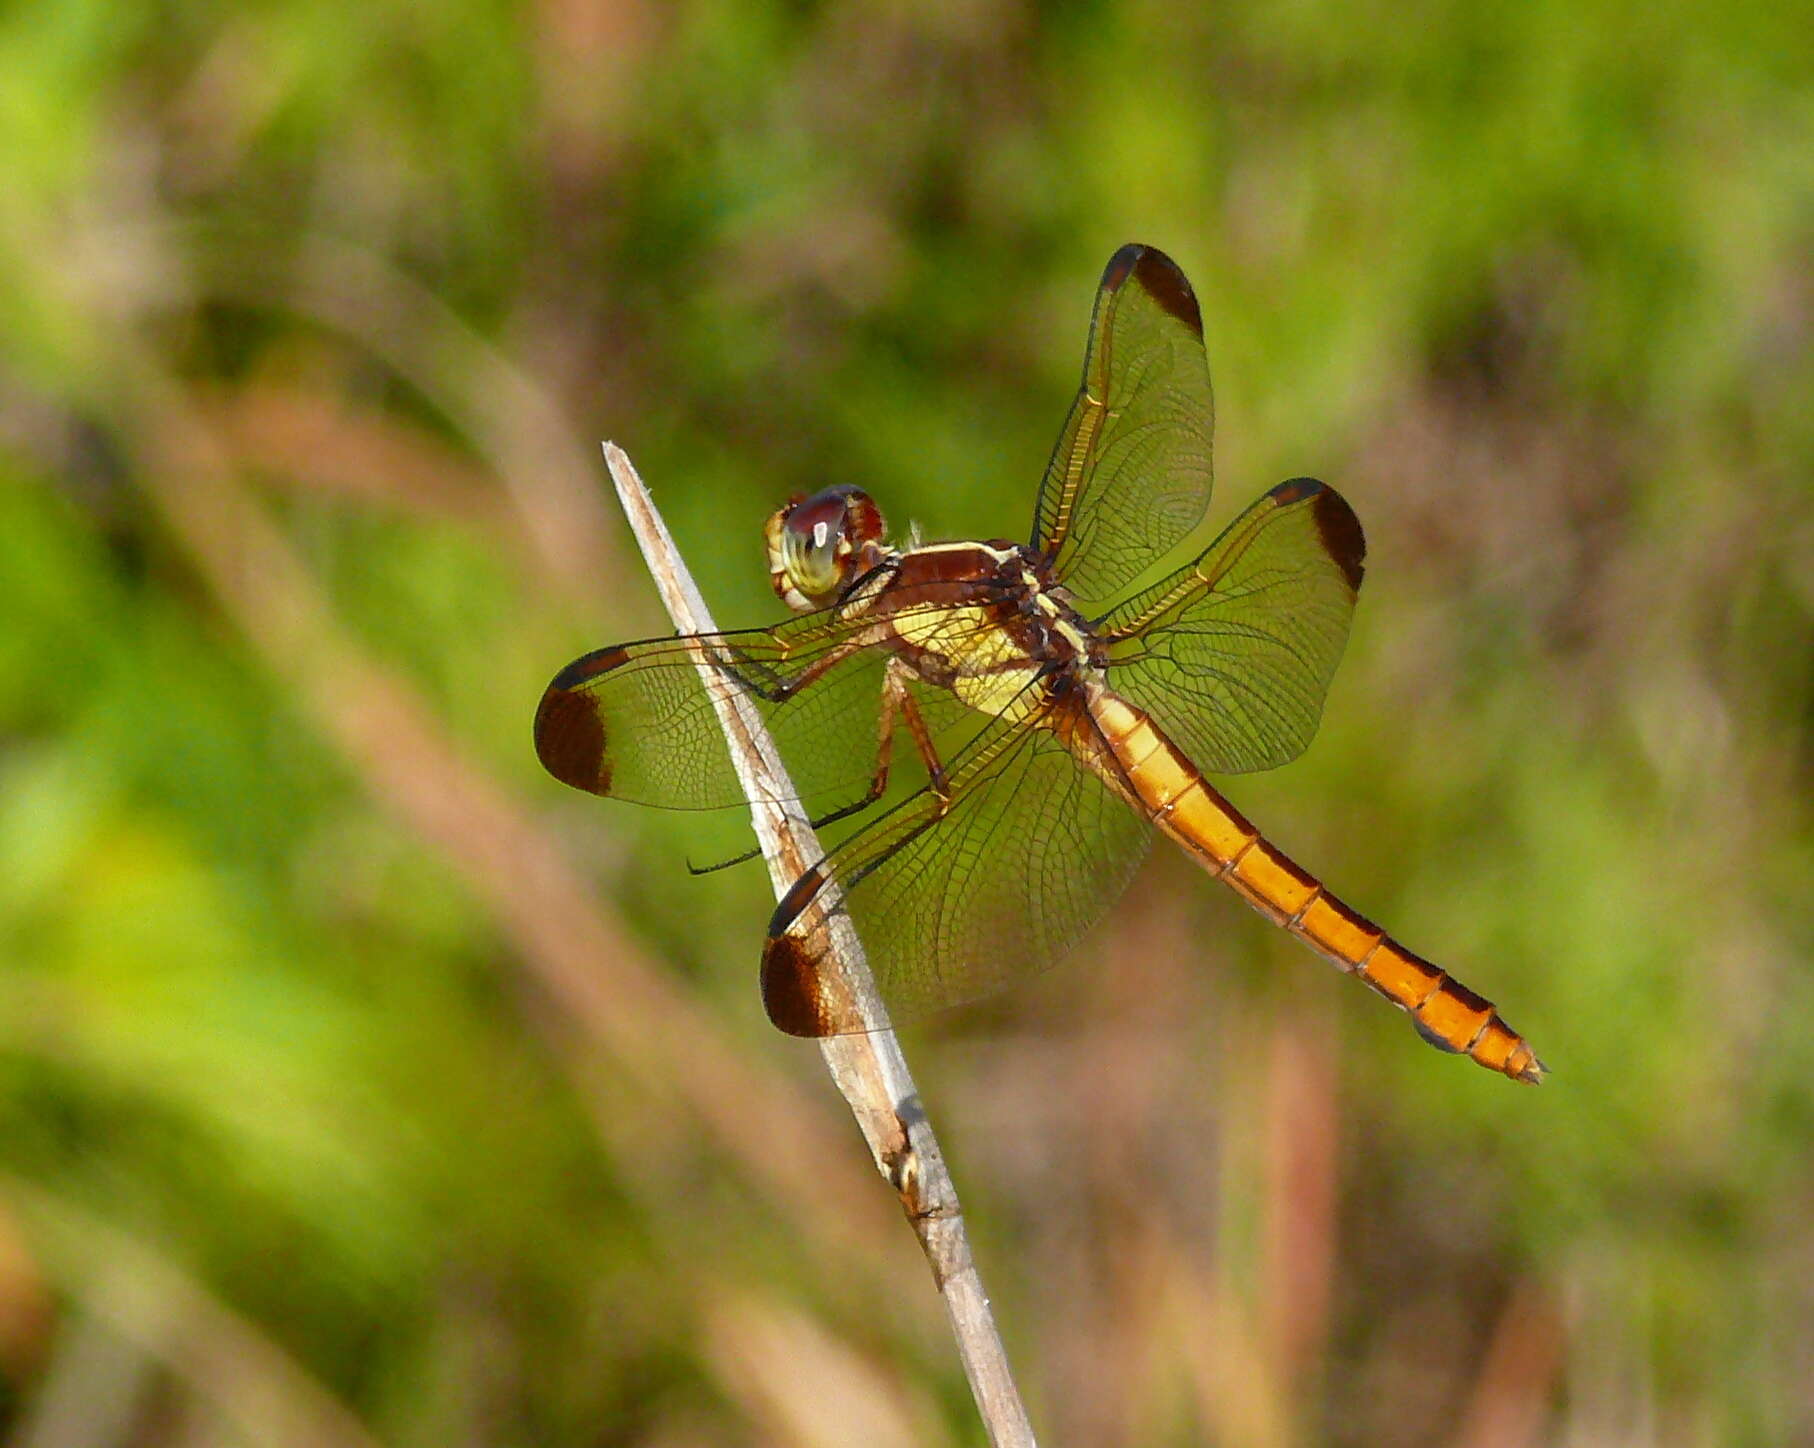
column 360, row 1084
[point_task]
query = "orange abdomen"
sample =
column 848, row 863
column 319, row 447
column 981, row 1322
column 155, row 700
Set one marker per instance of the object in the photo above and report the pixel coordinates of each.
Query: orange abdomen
column 1181, row 802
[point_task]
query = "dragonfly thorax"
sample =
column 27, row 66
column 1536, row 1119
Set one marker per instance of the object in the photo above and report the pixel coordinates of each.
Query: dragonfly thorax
column 980, row 619
column 819, row 546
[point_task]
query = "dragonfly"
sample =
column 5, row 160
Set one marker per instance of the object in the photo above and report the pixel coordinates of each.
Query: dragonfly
column 1055, row 715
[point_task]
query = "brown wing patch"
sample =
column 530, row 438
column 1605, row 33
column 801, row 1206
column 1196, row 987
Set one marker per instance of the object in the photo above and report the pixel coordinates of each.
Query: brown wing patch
column 1341, row 534
column 570, row 740
column 798, row 997
column 1162, row 279
column 569, row 734
column 791, row 991
column 1336, row 524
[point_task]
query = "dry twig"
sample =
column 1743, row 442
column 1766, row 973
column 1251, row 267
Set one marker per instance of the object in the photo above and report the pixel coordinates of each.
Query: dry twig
column 868, row 1068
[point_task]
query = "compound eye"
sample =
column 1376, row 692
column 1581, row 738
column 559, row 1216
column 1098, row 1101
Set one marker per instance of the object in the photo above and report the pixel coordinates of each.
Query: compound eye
column 820, row 545
column 814, row 545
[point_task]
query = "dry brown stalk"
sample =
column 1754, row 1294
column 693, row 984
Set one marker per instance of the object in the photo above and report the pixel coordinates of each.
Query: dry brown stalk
column 868, row 1067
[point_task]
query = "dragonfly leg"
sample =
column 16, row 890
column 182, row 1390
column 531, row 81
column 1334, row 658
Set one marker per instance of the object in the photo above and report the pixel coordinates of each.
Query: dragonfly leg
column 895, row 696
column 896, row 701
column 759, row 679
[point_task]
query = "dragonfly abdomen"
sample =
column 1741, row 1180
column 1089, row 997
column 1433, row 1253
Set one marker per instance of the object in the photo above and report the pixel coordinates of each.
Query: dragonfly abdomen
column 1183, row 804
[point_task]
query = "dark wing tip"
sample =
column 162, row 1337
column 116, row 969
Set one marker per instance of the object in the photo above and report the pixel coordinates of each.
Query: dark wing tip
column 794, row 988
column 570, row 738
column 1340, row 530
column 1160, row 277
column 1342, row 535
column 792, row 992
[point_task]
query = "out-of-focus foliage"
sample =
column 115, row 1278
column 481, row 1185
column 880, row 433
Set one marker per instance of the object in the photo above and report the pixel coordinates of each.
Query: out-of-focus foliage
column 358, row 1083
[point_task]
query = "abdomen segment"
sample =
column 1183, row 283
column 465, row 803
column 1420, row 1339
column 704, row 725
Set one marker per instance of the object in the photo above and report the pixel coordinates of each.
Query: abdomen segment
column 1175, row 795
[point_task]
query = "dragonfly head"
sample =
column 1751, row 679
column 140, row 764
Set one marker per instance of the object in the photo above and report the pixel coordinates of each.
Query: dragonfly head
column 818, row 546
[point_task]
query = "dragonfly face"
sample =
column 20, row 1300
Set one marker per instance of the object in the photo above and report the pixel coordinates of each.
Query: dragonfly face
column 1052, row 722
column 818, row 546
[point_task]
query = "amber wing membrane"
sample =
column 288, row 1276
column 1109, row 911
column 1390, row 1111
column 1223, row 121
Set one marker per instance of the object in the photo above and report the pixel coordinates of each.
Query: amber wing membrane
column 954, row 903
column 634, row 721
column 1233, row 653
column 1131, row 473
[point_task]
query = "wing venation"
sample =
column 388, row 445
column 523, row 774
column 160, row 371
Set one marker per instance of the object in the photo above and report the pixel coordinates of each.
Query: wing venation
column 635, row 722
column 1131, row 473
column 1234, row 652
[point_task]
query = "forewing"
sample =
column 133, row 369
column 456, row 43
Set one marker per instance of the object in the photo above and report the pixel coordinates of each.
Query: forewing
column 954, row 904
column 634, row 721
column 1233, row 654
column 1131, row 473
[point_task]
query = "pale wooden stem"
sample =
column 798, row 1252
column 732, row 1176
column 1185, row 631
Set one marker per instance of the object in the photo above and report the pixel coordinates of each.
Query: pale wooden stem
column 868, row 1068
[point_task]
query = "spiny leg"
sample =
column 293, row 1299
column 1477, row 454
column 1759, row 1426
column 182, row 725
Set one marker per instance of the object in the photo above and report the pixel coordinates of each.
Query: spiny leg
column 748, row 674
column 897, row 702
column 896, row 699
